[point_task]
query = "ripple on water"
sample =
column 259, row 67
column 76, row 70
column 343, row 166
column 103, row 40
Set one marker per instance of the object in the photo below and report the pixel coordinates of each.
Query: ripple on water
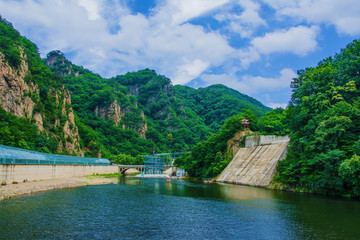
column 155, row 209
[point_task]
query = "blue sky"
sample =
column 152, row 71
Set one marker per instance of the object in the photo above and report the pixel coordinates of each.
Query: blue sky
column 253, row 46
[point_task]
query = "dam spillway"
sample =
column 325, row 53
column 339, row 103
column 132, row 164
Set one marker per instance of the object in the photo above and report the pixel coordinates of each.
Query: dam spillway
column 256, row 165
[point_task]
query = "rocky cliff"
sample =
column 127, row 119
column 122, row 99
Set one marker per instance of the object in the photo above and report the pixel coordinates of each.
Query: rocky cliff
column 21, row 98
column 116, row 113
column 104, row 108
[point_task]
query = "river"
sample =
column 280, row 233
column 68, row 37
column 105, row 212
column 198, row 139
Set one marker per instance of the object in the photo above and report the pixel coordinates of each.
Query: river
column 155, row 209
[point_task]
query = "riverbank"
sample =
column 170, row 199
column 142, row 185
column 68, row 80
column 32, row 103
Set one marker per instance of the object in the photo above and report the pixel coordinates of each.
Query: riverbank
column 25, row 188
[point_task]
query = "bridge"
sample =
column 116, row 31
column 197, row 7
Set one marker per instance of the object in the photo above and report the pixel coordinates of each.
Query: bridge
column 154, row 164
column 123, row 168
column 158, row 163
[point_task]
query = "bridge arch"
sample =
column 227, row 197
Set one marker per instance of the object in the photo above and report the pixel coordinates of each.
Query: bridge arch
column 124, row 168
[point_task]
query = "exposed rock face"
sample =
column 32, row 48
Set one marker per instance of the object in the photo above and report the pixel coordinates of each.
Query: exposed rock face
column 142, row 130
column 58, row 58
column 234, row 143
column 15, row 92
column 70, row 130
column 114, row 112
column 15, row 98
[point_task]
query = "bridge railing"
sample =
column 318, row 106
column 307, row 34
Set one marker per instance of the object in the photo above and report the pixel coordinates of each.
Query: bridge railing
column 130, row 166
column 47, row 162
column 12, row 155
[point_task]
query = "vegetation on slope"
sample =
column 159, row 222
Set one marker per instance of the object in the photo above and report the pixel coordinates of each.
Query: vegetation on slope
column 171, row 126
column 324, row 118
column 145, row 98
column 217, row 103
column 19, row 132
column 18, row 49
column 209, row 158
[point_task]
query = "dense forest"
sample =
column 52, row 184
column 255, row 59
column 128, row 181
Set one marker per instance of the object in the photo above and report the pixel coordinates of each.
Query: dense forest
column 55, row 106
column 37, row 97
column 171, row 118
column 120, row 118
column 324, row 119
column 208, row 158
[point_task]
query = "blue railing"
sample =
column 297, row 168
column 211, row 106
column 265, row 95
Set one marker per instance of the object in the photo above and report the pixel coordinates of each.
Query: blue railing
column 12, row 155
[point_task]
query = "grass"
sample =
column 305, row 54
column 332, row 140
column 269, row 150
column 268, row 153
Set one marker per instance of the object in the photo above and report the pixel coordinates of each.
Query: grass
column 106, row 175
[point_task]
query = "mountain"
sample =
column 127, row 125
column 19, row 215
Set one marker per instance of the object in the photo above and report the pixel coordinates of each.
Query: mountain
column 217, row 103
column 36, row 110
column 53, row 105
column 142, row 101
column 171, row 118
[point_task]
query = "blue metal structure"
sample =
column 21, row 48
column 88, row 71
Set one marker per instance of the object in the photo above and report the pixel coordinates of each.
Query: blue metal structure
column 12, row 155
column 157, row 163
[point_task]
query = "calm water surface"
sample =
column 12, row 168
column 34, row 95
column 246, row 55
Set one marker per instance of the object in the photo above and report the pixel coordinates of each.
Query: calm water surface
column 155, row 209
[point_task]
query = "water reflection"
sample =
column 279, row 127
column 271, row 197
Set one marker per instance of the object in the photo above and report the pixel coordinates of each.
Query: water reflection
column 155, row 209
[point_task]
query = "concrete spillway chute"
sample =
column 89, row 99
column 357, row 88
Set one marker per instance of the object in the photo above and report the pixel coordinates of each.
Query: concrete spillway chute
column 256, row 165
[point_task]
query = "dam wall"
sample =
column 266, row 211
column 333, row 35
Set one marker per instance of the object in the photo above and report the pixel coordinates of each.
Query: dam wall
column 10, row 173
column 256, row 165
column 258, row 140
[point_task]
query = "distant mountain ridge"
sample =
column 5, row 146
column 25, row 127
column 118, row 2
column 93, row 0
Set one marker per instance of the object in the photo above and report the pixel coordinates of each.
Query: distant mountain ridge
column 216, row 103
column 129, row 114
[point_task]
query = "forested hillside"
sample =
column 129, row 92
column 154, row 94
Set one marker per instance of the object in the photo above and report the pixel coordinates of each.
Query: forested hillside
column 324, row 117
column 55, row 106
column 36, row 111
column 217, row 103
column 146, row 103
column 208, row 158
column 323, row 120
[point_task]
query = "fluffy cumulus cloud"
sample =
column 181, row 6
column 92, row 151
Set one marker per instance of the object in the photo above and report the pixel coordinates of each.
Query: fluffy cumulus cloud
column 180, row 11
column 253, row 85
column 298, row 40
column 270, row 90
column 344, row 15
column 257, row 84
column 83, row 28
column 244, row 22
column 91, row 7
column 216, row 41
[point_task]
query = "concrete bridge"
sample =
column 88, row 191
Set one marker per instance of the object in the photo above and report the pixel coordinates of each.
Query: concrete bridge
column 161, row 163
column 123, row 168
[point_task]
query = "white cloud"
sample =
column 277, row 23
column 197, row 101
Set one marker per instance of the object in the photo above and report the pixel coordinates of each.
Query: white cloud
column 253, row 85
column 180, row 11
column 258, row 84
column 344, row 15
column 82, row 27
column 299, row 40
column 247, row 56
column 91, row 7
column 189, row 71
column 244, row 23
column 177, row 38
column 277, row 105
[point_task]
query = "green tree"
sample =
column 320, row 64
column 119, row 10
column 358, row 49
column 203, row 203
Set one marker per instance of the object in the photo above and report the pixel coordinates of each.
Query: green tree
column 350, row 173
column 324, row 119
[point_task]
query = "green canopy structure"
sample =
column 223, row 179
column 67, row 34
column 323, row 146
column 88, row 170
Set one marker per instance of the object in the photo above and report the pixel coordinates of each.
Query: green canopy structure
column 12, row 155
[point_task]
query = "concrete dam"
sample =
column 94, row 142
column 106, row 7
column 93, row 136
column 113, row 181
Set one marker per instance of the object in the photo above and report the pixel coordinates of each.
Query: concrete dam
column 255, row 165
